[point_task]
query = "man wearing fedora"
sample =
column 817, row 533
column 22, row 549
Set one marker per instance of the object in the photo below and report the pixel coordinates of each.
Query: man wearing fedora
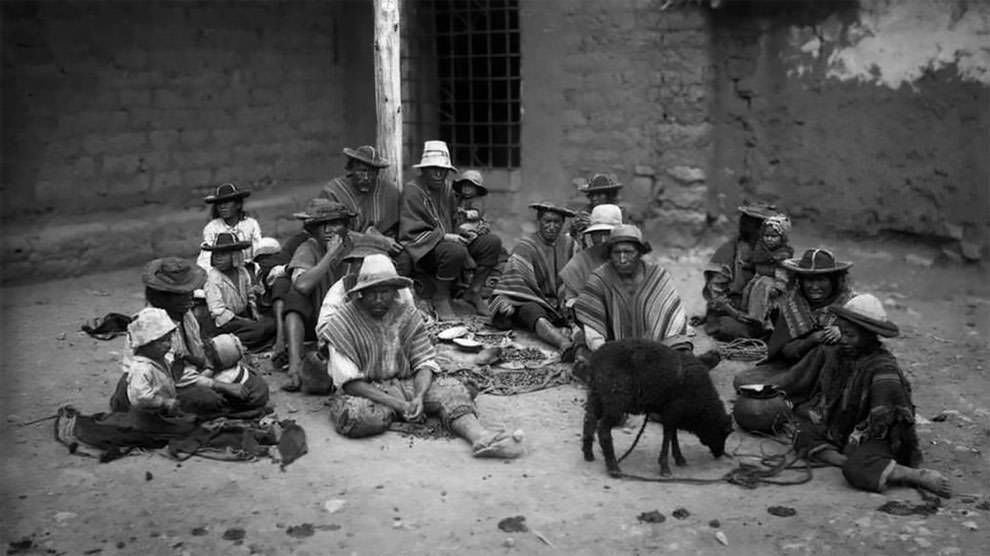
column 426, row 231
column 231, row 296
column 601, row 189
column 315, row 266
column 574, row 275
column 726, row 276
column 374, row 203
column 384, row 364
column 629, row 297
column 860, row 416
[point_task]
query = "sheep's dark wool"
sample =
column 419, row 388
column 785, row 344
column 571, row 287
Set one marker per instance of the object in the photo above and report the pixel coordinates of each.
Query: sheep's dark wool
column 643, row 376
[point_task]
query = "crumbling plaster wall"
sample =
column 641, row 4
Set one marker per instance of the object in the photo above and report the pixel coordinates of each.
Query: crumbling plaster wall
column 861, row 116
column 108, row 104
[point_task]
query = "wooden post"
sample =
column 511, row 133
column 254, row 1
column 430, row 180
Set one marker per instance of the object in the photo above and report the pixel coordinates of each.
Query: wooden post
column 388, row 88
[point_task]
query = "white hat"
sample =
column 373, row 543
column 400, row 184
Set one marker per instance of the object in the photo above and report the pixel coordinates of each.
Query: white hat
column 267, row 246
column 604, row 218
column 378, row 270
column 150, row 324
column 435, row 155
column 229, row 350
column 867, row 311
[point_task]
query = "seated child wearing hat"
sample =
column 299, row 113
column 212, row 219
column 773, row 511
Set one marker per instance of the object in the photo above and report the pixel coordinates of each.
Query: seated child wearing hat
column 470, row 190
column 150, row 387
column 770, row 277
column 231, row 294
column 228, row 217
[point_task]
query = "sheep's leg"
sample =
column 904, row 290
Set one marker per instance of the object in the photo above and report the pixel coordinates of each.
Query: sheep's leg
column 592, row 411
column 608, row 450
column 679, row 460
column 669, row 433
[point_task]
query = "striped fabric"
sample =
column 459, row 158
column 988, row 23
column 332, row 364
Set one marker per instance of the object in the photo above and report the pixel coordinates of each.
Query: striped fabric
column 378, row 209
column 653, row 311
column 396, row 346
column 530, row 274
column 575, row 273
column 424, row 218
column 801, row 318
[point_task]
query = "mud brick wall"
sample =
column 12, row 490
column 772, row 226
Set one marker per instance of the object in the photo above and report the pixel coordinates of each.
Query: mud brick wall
column 619, row 87
column 108, row 104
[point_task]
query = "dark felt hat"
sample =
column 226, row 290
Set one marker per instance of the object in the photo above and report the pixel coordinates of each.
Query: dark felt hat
column 474, row 178
column 226, row 192
column 816, row 261
column 628, row 233
column 172, row 274
column 367, row 154
column 758, row 209
column 371, row 243
column 602, row 182
column 324, row 210
column 867, row 311
column 225, row 242
column 544, row 206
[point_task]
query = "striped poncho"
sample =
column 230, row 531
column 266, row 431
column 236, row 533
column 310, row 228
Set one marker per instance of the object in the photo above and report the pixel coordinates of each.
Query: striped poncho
column 378, row 209
column 395, row 346
column 653, row 311
column 575, row 273
column 531, row 274
column 425, row 217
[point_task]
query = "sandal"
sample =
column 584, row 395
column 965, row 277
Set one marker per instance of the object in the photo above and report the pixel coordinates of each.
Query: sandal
column 502, row 445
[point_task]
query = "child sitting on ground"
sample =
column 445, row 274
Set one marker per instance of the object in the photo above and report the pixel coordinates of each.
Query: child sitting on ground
column 470, row 219
column 150, row 387
column 231, row 294
column 228, row 217
column 770, row 278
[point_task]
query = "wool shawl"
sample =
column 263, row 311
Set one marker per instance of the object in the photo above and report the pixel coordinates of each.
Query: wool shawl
column 395, row 346
column 531, row 274
column 868, row 398
column 653, row 311
column 378, row 208
column 728, row 272
column 575, row 273
column 425, row 217
column 800, row 318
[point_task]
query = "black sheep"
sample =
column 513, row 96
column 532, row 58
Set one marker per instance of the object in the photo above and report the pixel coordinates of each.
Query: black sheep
column 643, row 376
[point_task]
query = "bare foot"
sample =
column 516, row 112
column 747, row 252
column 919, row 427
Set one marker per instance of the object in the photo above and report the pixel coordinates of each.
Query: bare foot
column 500, row 445
column 933, row 481
column 292, row 382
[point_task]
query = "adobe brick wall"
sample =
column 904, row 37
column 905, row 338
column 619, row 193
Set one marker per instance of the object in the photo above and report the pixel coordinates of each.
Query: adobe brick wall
column 111, row 104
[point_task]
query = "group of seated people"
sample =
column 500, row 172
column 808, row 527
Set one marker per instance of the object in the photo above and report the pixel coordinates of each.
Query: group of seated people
column 349, row 279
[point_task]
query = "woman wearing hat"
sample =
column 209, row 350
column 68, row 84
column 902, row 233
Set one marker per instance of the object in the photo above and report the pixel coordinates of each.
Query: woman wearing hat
column 861, row 417
column 602, row 189
column 169, row 284
column 629, row 297
column 384, row 365
column 375, row 204
column 231, row 296
column 530, row 293
column 228, row 217
column 432, row 244
column 727, row 274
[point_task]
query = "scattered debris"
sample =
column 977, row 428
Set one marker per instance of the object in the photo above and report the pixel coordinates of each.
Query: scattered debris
column 721, row 538
column 919, row 260
column 20, row 546
column 60, row 336
column 542, row 538
column 651, row 517
column 334, row 505
column 62, row 517
column 509, row 542
column 714, row 524
column 971, row 525
column 516, row 524
column 680, row 513
column 199, row 531
column 300, row 531
column 984, row 505
column 781, row 511
column 234, row 534
column 329, row 527
column 897, row 507
column 148, row 476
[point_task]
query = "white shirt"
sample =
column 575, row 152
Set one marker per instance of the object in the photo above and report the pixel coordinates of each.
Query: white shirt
column 246, row 229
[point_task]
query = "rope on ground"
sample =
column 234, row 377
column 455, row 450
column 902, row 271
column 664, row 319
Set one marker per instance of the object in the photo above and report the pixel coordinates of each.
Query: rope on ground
column 743, row 349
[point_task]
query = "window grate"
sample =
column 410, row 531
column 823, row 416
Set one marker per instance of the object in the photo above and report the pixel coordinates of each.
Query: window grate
column 461, row 80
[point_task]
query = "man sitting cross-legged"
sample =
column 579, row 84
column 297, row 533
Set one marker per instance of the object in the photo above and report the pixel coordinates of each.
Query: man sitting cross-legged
column 383, row 363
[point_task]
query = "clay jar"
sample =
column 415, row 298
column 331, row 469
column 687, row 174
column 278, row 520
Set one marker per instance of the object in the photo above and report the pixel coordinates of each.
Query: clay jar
column 761, row 408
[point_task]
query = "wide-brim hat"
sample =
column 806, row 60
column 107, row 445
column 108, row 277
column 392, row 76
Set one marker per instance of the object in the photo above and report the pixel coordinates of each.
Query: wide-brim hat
column 172, row 274
column 148, row 325
column 435, row 155
column 226, row 242
column 365, row 245
column 367, row 154
column 628, row 233
column 816, row 261
column 267, row 246
column 866, row 311
column 324, row 210
column 544, row 206
column 604, row 218
column 474, row 178
column 226, row 192
column 377, row 270
column 758, row 209
column 602, row 182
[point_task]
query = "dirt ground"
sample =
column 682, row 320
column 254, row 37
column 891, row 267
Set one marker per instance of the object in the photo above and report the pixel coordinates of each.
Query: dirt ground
column 396, row 495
